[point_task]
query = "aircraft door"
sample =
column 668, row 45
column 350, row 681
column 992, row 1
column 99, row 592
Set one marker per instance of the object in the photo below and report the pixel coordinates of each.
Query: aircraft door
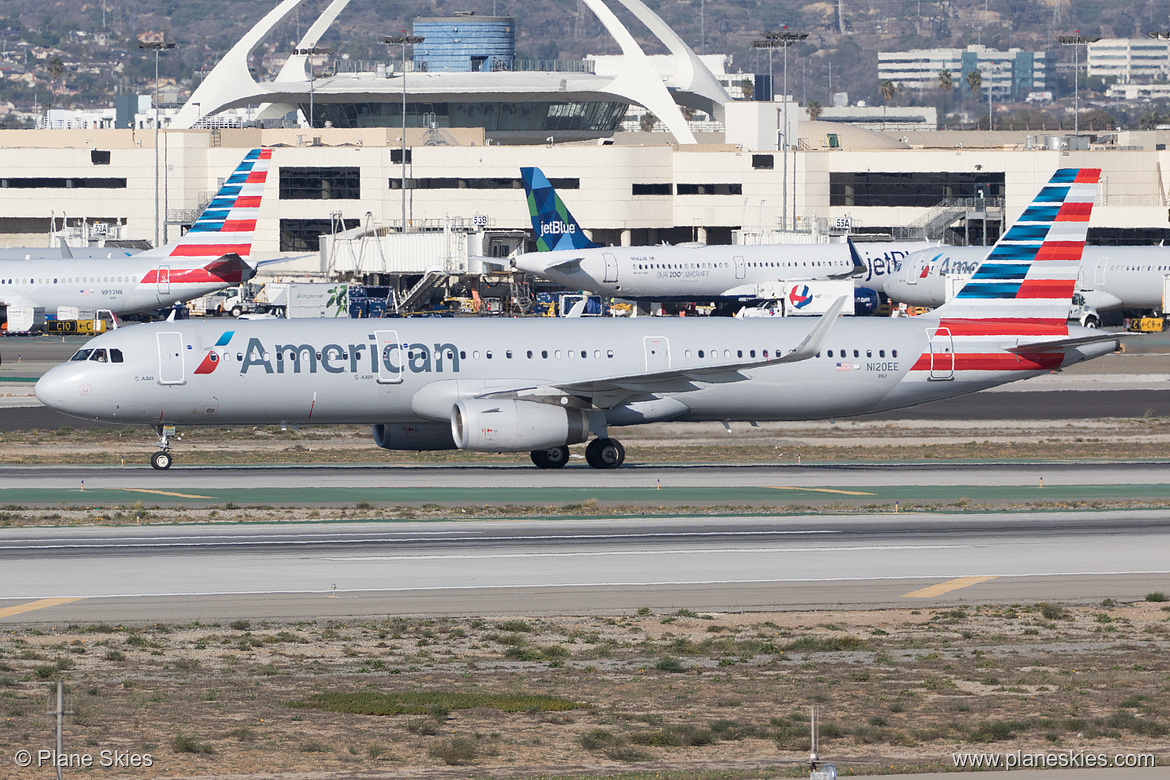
column 164, row 280
column 391, row 360
column 611, row 267
column 170, row 358
column 914, row 271
column 1099, row 272
column 657, row 353
column 942, row 355
column 740, row 267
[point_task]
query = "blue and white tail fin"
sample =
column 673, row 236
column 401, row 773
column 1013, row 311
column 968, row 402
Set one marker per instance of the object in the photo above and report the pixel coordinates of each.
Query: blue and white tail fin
column 1031, row 272
column 552, row 225
column 228, row 223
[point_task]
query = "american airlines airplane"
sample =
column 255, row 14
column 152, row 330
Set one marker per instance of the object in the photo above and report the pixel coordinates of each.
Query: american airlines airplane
column 684, row 272
column 212, row 255
column 1110, row 277
column 537, row 386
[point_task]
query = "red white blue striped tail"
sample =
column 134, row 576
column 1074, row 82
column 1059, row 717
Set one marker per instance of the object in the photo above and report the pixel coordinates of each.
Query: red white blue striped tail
column 226, row 226
column 1031, row 271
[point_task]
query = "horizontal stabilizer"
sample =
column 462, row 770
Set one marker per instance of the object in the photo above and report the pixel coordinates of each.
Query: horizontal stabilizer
column 1059, row 345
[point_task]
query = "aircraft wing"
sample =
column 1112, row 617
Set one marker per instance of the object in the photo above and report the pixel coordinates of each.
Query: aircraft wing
column 679, row 379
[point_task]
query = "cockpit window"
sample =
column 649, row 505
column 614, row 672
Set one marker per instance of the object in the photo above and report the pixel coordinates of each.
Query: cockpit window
column 82, row 354
column 99, row 356
column 116, row 356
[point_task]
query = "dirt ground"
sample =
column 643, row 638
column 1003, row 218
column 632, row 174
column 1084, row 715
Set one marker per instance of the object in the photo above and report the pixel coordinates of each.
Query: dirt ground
column 680, row 695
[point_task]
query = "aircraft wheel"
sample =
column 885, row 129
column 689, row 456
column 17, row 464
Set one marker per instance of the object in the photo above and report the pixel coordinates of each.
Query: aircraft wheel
column 161, row 460
column 605, row 453
column 552, row 458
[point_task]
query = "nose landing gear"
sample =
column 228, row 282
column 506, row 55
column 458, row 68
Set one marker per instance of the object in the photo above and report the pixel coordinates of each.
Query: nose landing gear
column 161, row 460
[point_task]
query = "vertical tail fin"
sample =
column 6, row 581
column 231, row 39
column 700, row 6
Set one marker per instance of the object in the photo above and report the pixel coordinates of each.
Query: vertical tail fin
column 1031, row 271
column 552, row 224
column 226, row 226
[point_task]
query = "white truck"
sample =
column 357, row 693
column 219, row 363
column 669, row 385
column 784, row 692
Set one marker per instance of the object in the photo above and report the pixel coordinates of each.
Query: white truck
column 305, row 299
column 795, row 299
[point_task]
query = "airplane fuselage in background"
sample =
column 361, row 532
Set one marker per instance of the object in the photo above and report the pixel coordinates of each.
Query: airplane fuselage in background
column 1111, row 277
column 123, row 285
column 334, row 371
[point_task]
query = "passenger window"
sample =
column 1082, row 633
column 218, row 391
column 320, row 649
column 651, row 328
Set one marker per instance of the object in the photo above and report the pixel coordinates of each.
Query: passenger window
column 508, row 354
column 830, row 353
column 597, row 354
column 475, row 354
column 727, row 353
column 557, row 354
column 881, row 353
column 609, row 353
column 869, row 353
column 116, row 356
column 488, row 354
column 686, row 353
column 584, row 354
column 463, row 354
column 739, row 353
column 752, row 353
column 700, row 353
column 856, row 353
column 894, row 353
column 544, row 353
column 529, row 353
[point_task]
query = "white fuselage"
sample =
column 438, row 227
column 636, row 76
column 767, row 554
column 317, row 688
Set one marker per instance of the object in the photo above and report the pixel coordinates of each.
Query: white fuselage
column 122, row 285
column 634, row 371
column 1110, row 277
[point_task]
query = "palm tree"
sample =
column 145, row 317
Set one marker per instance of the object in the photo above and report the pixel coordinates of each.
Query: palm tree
column 814, row 109
column 975, row 80
column 887, row 90
column 946, row 82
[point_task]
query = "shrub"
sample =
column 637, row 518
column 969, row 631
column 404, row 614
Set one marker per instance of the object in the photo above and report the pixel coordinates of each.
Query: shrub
column 1052, row 611
column 669, row 663
column 1156, row 596
column 185, row 743
column 456, row 751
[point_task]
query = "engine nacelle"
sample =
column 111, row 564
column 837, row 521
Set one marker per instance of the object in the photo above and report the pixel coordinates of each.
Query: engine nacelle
column 414, row 436
column 484, row 425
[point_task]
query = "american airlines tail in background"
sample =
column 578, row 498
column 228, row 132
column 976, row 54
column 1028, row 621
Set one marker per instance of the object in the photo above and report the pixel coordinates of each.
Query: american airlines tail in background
column 212, row 255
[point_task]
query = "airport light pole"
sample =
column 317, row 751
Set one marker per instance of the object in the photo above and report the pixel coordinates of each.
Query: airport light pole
column 310, row 52
column 403, row 40
column 155, row 43
column 1076, row 41
column 782, row 40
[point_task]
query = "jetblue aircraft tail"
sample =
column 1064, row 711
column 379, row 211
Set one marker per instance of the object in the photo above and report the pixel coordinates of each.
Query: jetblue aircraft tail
column 552, row 224
column 225, row 227
column 1031, row 271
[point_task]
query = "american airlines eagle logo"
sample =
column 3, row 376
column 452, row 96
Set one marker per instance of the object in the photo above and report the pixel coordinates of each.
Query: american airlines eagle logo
column 799, row 296
column 211, row 359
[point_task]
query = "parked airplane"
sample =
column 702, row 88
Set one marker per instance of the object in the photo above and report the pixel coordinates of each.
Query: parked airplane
column 684, row 272
column 1110, row 277
column 212, row 255
column 538, row 386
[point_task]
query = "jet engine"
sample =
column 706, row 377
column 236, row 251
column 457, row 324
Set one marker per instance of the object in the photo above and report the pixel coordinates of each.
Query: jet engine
column 414, row 436
column 485, row 425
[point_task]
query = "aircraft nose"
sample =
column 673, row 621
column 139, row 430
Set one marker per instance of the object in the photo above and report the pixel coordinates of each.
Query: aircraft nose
column 51, row 389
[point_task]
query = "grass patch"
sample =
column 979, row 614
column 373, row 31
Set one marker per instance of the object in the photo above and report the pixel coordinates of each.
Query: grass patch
column 185, row 743
column 423, row 702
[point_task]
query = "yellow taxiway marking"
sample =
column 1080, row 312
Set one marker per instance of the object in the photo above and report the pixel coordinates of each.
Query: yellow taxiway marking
column 946, row 587
column 822, row 490
column 34, row 605
column 161, row 493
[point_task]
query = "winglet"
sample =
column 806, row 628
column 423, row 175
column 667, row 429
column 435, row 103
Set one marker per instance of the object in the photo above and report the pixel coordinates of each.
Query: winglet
column 811, row 344
column 553, row 226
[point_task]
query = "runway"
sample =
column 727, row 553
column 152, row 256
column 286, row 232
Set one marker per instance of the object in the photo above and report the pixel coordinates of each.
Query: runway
column 182, row 573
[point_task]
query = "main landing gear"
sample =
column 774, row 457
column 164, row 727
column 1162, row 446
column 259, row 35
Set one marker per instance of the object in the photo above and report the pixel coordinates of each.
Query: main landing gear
column 161, row 460
column 600, row 454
